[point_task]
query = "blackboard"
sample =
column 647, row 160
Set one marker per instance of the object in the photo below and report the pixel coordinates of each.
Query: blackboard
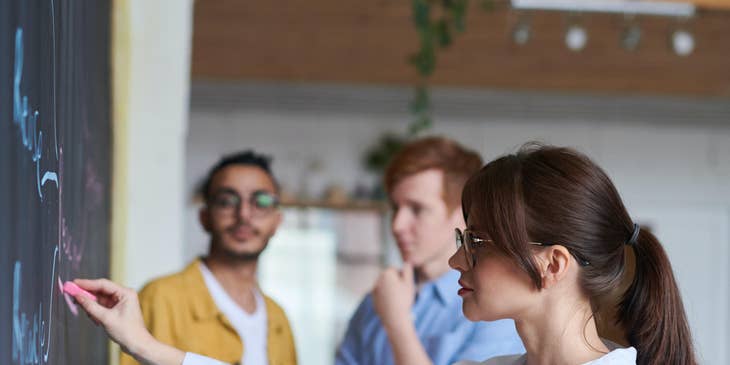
column 55, row 161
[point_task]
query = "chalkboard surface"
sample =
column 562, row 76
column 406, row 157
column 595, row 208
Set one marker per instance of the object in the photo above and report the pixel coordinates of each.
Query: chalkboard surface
column 54, row 176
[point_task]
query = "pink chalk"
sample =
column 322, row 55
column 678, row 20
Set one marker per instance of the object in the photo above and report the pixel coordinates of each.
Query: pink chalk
column 73, row 289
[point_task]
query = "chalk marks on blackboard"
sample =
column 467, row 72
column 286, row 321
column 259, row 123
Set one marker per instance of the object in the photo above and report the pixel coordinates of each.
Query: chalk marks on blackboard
column 72, row 247
column 49, row 176
column 59, row 224
column 72, row 251
column 28, row 120
column 31, row 331
column 28, row 123
column 53, row 50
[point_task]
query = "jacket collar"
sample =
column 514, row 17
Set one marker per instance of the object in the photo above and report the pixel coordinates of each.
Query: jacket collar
column 204, row 308
column 202, row 303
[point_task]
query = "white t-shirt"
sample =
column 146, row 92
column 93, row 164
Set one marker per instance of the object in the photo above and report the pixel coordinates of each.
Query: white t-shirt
column 619, row 356
column 251, row 328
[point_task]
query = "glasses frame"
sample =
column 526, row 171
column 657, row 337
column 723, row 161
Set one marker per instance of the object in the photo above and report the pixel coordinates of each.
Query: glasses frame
column 468, row 241
column 256, row 210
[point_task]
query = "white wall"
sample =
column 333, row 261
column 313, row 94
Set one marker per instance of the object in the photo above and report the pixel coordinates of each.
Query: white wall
column 151, row 69
column 670, row 159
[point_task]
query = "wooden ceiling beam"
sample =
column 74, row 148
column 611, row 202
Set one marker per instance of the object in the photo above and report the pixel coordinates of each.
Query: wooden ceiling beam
column 353, row 41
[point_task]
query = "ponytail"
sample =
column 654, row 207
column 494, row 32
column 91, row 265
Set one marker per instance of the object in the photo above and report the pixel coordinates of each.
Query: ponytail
column 651, row 310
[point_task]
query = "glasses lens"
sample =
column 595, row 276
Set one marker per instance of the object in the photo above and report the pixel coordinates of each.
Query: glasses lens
column 462, row 243
column 226, row 200
column 468, row 244
column 263, row 200
column 464, row 240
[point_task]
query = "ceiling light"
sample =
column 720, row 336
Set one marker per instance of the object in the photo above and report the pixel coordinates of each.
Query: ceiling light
column 576, row 38
column 521, row 33
column 683, row 42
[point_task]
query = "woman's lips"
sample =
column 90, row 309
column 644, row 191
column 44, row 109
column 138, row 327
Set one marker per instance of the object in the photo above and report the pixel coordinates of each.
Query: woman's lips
column 464, row 289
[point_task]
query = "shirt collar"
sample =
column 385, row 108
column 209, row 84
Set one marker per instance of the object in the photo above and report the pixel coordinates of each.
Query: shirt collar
column 445, row 286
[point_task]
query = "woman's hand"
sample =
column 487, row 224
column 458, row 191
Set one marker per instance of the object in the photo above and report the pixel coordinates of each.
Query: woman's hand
column 118, row 311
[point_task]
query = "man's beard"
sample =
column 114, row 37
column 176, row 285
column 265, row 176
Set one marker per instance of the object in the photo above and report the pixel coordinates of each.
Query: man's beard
column 228, row 254
column 241, row 256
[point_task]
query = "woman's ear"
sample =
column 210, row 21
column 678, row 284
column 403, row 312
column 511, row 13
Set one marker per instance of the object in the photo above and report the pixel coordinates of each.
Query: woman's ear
column 554, row 262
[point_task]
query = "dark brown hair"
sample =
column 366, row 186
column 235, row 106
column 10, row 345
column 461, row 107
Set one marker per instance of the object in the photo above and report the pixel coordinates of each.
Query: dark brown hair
column 557, row 195
column 243, row 158
column 456, row 162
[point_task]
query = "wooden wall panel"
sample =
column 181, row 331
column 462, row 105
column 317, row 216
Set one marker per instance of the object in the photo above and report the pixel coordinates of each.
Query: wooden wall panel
column 369, row 41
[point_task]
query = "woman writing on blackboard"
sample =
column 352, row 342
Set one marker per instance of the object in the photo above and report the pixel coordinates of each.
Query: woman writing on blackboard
column 546, row 239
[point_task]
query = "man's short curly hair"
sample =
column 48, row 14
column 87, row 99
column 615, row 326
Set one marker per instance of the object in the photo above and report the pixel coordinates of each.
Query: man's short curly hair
column 455, row 161
column 244, row 158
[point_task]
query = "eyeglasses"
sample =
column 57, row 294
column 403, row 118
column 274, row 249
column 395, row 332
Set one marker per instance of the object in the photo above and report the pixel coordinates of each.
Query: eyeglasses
column 469, row 241
column 261, row 202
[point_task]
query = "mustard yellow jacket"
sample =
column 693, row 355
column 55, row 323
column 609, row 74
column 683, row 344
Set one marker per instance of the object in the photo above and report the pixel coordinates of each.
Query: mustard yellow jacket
column 178, row 310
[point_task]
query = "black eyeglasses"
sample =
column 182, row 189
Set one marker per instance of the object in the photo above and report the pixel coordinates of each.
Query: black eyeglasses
column 261, row 202
column 469, row 241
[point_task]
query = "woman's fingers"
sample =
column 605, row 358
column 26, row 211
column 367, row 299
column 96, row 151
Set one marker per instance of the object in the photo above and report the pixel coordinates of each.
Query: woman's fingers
column 99, row 286
column 117, row 310
column 107, row 301
column 96, row 312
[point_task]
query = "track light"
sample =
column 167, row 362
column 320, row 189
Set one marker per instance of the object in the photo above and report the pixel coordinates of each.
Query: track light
column 521, row 33
column 576, row 38
column 683, row 42
column 658, row 8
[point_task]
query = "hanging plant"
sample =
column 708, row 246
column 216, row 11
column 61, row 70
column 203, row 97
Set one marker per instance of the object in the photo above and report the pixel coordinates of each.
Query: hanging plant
column 436, row 21
column 377, row 157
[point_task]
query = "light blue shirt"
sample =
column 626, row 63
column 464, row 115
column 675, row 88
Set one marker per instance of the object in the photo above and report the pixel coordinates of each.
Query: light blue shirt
column 446, row 335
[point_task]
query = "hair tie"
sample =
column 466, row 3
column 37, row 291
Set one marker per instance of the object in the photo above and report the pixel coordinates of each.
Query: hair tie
column 634, row 235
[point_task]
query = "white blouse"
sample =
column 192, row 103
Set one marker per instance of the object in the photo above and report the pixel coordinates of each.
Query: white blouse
column 619, row 356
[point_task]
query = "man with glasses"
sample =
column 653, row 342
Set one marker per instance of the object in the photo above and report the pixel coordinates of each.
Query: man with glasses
column 414, row 316
column 214, row 307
